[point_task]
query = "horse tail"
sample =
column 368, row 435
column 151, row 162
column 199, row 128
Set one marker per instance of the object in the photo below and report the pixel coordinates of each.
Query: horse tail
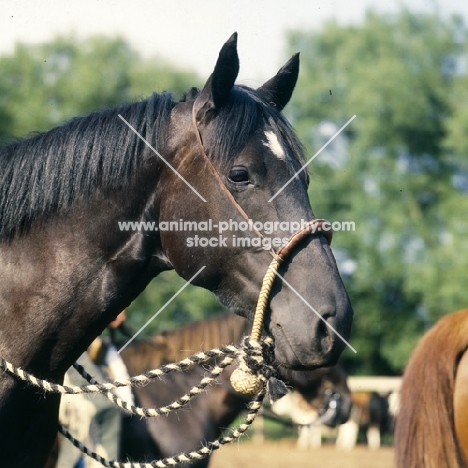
column 425, row 433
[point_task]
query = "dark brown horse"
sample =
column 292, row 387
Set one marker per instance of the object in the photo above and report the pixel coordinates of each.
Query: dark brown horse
column 432, row 421
column 70, row 261
column 211, row 412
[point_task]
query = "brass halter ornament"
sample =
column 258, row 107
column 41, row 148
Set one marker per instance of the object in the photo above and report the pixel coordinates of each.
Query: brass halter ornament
column 243, row 379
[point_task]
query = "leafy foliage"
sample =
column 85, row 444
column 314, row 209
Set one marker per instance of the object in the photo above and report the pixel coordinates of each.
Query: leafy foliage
column 191, row 304
column 391, row 171
column 43, row 85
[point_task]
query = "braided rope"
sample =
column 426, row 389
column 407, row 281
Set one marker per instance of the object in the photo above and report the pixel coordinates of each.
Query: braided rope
column 142, row 379
column 269, row 278
column 236, row 433
column 230, row 353
column 246, row 379
column 164, row 410
column 250, row 378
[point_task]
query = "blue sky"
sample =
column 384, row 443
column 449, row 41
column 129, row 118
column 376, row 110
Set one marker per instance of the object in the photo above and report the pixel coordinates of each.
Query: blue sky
column 191, row 32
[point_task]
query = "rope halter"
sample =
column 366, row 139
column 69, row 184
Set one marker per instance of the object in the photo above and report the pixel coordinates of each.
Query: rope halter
column 249, row 378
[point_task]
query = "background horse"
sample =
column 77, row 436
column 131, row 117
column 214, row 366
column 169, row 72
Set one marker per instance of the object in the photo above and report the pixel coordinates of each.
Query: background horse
column 431, row 426
column 209, row 413
column 373, row 414
column 323, row 399
column 67, row 268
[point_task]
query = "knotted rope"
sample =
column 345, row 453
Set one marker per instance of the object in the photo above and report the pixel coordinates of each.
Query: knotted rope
column 253, row 375
column 247, row 378
column 228, row 353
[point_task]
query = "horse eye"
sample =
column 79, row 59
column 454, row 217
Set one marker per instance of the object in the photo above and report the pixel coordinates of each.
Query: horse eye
column 239, row 175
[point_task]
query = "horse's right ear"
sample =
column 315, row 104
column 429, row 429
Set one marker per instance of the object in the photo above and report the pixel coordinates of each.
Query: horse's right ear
column 278, row 90
column 218, row 87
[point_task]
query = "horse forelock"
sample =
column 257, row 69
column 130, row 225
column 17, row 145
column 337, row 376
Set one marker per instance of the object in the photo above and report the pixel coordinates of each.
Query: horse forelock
column 243, row 115
column 48, row 173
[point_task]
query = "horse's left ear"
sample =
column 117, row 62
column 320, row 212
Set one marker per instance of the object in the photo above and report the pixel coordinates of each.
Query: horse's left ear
column 218, row 87
column 278, row 90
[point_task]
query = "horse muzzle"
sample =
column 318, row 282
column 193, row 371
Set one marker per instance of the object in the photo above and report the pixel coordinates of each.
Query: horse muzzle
column 315, row 340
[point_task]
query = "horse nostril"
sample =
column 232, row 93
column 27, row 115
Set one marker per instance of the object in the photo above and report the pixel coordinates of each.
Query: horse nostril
column 322, row 330
column 327, row 311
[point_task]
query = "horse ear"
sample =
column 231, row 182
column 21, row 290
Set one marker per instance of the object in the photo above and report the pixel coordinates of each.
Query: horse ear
column 218, row 87
column 278, row 90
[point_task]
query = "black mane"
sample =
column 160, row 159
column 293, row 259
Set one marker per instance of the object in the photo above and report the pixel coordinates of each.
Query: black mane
column 48, row 172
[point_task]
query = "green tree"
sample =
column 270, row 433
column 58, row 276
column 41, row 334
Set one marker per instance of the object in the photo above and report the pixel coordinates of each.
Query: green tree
column 391, row 171
column 46, row 84
column 193, row 303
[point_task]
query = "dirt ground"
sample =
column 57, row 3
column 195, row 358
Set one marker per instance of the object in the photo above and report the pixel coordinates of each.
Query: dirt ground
column 284, row 454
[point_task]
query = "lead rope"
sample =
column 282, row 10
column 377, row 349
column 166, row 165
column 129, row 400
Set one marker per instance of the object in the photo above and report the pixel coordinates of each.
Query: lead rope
column 254, row 375
column 229, row 353
column 254, row 408
column 251, row 353
column 244, row 379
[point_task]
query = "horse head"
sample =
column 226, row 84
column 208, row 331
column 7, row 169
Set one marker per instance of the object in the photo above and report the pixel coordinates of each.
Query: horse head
column 234, row 146
column 69, row 265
